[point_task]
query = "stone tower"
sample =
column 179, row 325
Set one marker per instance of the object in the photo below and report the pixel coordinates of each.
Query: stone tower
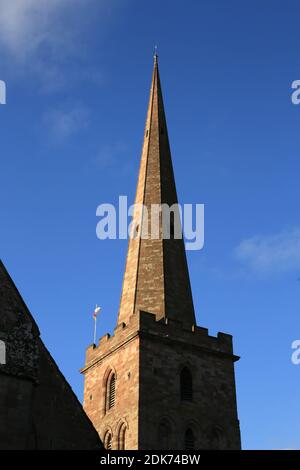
column 160, row 382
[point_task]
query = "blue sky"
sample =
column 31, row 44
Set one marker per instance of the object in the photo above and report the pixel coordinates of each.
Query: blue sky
column 78, row 76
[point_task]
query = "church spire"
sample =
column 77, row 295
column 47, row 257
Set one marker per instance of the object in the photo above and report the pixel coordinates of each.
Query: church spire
column 156, row 277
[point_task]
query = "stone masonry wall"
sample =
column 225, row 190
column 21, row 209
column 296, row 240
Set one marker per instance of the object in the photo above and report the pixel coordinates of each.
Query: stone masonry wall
column 147, row 357
column 120, row 354
column 213, row 406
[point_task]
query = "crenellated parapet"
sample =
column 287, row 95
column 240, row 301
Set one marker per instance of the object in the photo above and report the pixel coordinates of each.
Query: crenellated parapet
column 144, row 324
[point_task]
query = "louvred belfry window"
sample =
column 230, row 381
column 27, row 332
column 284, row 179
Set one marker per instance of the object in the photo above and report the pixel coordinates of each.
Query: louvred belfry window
column 112, row 391
column 108, row 441
column 189, row 440
column 186, row 385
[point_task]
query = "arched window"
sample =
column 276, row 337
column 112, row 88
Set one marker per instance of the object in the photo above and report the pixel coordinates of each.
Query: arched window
column 164, row 436
column 218, row 440
column 2, row 352
column 186, row 385
column 107, row 440
column 122, row 437
column 189, row 440
column 109, row 390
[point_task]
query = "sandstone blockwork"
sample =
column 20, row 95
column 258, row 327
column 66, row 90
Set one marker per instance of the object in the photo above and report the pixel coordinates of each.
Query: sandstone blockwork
column 160, row 382
column 174, row 387
column 156, row 276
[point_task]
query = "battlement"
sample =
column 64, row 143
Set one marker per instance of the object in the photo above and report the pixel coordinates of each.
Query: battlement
column 144, row 324
column 192, row 335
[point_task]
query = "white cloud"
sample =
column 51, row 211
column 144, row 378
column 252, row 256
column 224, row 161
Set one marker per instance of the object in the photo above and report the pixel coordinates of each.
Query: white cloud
column 45, row 37
column 109, row 155
column 271, row 254
column 25, row 25
column 62, row 123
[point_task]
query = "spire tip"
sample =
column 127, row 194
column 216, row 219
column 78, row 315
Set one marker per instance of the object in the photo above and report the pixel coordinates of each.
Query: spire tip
column 155, row 54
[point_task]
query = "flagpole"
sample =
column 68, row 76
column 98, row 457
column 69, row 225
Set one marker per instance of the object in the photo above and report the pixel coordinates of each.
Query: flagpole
column 95, row 314
column 95, row 329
